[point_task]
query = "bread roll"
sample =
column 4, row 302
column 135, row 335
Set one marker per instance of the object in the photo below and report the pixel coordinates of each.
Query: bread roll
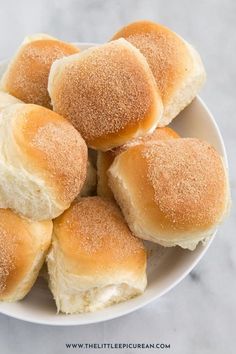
column 26, row 76
column 176, row 65
column 23, row 248
column 7, row 100
column 107, row 92
column 95, row 261
column 43, row 161
column 172, row 192
column 105, row 159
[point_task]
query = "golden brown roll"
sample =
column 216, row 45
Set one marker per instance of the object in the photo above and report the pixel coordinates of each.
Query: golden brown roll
column 176, row 65
column 172, row 192
column 27, row 74
column 23, row 248
column 107, row 92
column 43, row 161
column 105, row 159
column 7, row 100
column 95, row 261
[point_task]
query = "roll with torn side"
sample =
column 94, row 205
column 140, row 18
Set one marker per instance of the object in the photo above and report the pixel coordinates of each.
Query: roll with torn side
column 7, row 100
column 108, row 92
column 95, row 260
column 105, row 159
column 23, row 248
column 172, row 192
column 176, row 65
column 43, row 161
column 26, row 76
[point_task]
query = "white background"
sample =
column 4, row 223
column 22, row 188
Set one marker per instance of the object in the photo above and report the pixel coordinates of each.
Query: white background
column 198, row 316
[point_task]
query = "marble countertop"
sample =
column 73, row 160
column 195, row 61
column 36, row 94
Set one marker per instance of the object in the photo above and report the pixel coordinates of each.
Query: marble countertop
column 199, row 315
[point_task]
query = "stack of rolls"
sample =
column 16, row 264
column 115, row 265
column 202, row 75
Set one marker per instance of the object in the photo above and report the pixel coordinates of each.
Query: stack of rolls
column 88, row 214
column 43, row 161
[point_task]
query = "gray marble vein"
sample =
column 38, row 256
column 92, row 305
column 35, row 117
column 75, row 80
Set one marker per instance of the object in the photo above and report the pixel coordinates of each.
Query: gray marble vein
column 199, row 315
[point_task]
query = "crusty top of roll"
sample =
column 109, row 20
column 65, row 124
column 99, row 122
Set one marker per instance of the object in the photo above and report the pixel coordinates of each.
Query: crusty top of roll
column 20, row 242
column 95, row 239
column 105, row 159
column 48, row 146
column 27, row 74
column 166, row 53
column 177, row 186
column 107, row 92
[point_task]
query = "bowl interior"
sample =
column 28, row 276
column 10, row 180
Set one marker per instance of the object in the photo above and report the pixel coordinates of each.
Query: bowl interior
column 166, row 266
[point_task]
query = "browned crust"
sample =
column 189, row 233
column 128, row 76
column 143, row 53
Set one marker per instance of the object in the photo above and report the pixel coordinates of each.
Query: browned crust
column 27, row 74
column 105, row 159
column 178, row 186
column 19, row 245
column 52, row 149
column 166, row 53
column 108, row 93
column 93, row 237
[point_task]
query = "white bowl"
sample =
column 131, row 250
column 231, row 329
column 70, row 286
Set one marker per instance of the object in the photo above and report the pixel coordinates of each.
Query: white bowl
column 166, row 266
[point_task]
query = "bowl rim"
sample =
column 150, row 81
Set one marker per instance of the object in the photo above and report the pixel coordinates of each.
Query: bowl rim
column 144, row 302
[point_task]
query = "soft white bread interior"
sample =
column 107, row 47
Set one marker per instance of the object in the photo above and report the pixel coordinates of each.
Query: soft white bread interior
column 95, row 260
column 23, row 248
column 43, row 161
column 105, row 158
column 26, row 76
column 176, row 65
column 107, row 92
column 172, row 192
column 7, row 100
